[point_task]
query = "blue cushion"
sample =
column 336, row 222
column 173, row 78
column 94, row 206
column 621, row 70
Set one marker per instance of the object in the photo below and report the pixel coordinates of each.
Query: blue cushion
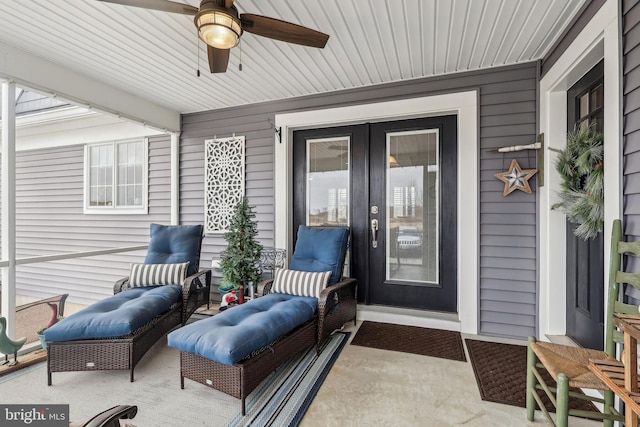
column 320, row 249
column 117, row 315
column 233, row 334
column 173, row 244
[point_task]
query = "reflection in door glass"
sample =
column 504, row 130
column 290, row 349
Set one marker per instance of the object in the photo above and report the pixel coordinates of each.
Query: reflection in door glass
column 328, row 181
column 412, row 206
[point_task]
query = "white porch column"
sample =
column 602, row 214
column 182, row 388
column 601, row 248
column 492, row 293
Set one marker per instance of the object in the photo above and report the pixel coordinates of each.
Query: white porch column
column 8, row 200
column 175, row 178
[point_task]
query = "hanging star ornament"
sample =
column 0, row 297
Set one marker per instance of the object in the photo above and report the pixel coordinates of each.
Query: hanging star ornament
column 516, row 178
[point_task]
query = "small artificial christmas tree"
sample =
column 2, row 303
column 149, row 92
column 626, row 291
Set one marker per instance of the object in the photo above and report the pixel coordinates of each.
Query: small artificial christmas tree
column 240, row 261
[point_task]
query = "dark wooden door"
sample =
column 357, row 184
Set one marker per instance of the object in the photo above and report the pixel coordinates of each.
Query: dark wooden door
column 585, row 258
column 394, row 184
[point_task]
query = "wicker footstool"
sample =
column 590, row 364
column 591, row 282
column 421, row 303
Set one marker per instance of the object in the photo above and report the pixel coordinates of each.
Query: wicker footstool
column 234, row 351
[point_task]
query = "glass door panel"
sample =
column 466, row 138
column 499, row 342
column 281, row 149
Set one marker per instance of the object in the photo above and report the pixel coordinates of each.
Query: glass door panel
column 328, row 182
column 412, row 206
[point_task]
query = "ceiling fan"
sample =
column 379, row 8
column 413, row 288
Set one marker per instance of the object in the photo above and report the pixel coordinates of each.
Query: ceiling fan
column 220, row 27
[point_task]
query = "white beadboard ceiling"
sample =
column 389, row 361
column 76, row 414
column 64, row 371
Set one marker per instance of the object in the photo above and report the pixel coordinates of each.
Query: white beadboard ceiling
column 154, row 54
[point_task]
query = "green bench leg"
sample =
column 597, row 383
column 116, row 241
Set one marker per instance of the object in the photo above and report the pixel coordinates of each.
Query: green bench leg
column 609, row 402
column 562, row 401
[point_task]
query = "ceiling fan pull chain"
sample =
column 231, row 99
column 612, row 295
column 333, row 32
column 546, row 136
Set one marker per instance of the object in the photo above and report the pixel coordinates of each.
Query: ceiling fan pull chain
column 240, row 65
column 198, row 52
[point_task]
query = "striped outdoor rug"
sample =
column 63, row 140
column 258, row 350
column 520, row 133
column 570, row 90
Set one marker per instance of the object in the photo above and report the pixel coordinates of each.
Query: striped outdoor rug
column 282, row 399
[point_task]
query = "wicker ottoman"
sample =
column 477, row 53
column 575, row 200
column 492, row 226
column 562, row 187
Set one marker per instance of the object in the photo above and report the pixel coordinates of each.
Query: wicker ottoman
column 236, row 350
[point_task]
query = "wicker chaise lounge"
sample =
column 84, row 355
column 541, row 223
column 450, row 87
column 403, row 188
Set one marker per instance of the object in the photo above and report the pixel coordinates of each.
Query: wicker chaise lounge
column 115, row 333
column 237, row 349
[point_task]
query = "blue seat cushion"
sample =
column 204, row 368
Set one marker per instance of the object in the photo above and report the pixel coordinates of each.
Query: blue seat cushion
column 116, row 316
column 237, row 332
column 174, row 244
column 320, row 249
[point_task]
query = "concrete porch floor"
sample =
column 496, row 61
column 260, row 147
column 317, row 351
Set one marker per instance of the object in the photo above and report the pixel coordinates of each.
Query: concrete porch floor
column 371, row 387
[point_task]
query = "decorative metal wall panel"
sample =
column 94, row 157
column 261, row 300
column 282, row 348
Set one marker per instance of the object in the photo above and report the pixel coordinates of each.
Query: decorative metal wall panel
column 223, row 181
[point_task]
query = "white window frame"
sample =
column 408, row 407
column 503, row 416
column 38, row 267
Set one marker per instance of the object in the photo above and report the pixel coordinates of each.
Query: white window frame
column 117, row 210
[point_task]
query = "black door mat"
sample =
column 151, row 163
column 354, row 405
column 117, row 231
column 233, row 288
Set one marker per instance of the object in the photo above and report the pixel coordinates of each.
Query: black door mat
column 501, row 374
column 411, row 339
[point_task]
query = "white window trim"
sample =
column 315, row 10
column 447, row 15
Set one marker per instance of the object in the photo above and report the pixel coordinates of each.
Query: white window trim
column 115, row 210
column 465, row 105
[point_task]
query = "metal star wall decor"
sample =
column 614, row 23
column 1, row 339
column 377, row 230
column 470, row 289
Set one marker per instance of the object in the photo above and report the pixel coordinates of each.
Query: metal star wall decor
column 516, row 178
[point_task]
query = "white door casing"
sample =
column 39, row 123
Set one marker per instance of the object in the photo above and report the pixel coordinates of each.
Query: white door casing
column 597, row 41
column 465, row 105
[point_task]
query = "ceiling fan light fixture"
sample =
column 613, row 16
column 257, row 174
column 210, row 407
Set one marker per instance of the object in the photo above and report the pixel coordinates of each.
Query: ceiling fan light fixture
column 218, row 28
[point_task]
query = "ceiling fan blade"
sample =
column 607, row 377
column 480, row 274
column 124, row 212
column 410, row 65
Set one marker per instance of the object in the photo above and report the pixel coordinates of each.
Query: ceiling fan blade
column 283, row 31
column 162, row 5
column 218, row 59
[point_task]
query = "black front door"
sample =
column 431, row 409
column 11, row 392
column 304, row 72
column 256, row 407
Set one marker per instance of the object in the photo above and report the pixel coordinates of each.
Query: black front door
column 585, row 258
column 394, row 184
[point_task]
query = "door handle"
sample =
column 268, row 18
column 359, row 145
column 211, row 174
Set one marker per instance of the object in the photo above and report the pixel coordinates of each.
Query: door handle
column 374, row 232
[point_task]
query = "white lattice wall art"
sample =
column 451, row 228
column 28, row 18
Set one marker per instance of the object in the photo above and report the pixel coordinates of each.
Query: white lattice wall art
column 223, row 181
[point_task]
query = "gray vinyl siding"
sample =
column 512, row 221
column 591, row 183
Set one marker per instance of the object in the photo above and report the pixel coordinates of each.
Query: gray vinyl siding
column 50, row 220
column 631, row 123
column 507, row 114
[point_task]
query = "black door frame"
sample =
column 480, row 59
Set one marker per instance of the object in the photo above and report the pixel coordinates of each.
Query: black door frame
column 443, row 296
column 361, row 162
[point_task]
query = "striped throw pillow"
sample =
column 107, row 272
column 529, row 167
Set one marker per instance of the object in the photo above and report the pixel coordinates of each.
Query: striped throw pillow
column 301, row 283
column 157, row 274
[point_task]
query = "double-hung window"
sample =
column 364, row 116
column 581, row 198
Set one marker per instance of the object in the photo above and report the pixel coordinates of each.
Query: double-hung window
column 116, row 177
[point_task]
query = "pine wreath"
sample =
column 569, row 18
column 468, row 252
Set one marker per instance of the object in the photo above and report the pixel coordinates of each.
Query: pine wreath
column 581, row 167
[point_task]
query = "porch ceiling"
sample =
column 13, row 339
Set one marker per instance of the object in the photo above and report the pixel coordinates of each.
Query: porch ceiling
column 153, row 55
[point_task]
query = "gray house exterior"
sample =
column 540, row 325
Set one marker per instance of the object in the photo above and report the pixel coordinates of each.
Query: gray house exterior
column 50, row 220
column 517, row 268
column 631, row 119
column 507, row 99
